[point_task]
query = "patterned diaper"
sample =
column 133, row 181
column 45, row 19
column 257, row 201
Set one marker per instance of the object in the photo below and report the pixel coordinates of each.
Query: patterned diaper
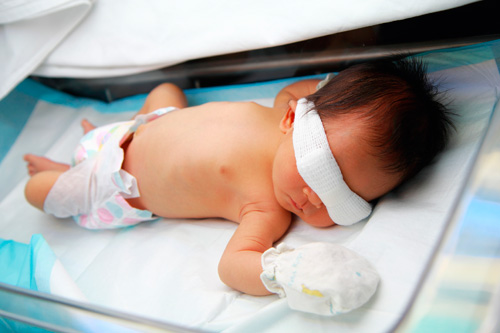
column 94, row 190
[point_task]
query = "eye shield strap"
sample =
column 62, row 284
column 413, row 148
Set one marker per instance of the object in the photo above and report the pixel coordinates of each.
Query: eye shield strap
column 317, row 166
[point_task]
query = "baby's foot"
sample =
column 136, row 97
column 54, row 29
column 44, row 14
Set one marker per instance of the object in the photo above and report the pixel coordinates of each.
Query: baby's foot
column 87, row 126
column 37, row 164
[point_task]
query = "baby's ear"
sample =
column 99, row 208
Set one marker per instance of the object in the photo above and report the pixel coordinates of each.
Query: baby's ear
column 287, row 121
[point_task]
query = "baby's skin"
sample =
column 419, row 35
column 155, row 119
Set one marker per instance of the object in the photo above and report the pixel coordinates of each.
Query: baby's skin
column 231, row 160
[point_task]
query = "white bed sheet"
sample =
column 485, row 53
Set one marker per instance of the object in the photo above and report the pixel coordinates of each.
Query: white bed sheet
column 167, row 270
column 125, row 37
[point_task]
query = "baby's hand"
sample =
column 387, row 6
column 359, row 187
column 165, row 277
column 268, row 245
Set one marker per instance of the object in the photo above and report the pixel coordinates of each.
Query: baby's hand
column 320, row 278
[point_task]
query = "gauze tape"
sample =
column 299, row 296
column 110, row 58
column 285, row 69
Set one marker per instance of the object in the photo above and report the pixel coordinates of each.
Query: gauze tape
column 317, row 166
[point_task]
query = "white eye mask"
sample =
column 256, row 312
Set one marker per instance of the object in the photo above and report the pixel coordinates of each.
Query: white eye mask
column 318, row 168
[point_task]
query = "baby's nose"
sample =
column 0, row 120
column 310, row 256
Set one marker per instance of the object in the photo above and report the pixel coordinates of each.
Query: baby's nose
column 313, row 197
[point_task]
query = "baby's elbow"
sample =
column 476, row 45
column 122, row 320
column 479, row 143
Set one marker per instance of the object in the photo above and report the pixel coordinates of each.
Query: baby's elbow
column 230, row 274
column 224, row 270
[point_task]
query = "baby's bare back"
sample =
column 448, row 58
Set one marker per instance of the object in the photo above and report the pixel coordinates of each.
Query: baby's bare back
column 206, row 161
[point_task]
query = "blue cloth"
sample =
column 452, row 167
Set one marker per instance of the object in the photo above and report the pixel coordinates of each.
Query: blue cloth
column 26, row 265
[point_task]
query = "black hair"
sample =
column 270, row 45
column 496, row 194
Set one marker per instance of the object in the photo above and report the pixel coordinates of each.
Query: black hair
column 408, row 125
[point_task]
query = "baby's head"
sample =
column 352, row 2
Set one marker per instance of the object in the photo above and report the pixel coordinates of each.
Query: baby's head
column 404, row 125
column 383, row 124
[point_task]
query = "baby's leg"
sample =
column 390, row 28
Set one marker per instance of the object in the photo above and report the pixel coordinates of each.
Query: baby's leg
column 87, row 126
column 37, row 164
column 164, row 95
column 39, row 185
column 44, row 173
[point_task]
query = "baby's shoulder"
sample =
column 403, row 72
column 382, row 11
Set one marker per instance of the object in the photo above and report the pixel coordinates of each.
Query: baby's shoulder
column 263, row 203
column 265, row 217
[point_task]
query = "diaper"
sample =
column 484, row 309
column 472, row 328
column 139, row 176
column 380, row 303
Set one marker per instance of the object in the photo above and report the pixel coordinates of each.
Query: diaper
column 95, row 189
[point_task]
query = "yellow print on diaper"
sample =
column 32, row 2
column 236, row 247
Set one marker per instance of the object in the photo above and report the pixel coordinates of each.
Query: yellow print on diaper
column 308, row 291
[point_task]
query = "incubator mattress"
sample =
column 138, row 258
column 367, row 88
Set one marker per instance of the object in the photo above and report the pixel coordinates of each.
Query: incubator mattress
column 167, row 269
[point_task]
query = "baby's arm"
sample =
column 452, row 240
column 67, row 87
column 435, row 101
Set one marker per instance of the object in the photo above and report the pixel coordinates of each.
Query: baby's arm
column 295, row 91
column 240, row 266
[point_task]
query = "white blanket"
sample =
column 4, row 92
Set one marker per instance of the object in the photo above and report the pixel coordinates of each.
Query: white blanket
column 30, row 30
column 126, row 37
